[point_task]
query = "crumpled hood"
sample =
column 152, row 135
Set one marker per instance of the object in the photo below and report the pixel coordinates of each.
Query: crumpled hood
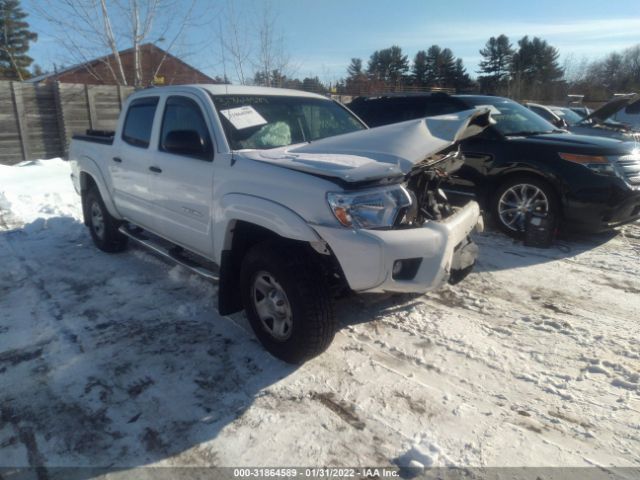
column 387, row 151
column 611, row 108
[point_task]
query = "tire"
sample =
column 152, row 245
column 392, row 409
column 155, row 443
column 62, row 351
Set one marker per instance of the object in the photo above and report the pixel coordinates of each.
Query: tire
column 283, row 282
column 505, row 207
column 102, row 226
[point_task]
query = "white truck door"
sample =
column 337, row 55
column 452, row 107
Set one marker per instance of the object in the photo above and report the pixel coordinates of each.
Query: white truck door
column 129, row 166
column 183, row 178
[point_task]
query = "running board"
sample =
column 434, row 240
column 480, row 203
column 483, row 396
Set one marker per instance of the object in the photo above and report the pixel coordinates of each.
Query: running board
column 173, row 256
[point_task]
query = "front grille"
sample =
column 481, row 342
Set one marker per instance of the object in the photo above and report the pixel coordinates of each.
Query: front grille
column 629, row 167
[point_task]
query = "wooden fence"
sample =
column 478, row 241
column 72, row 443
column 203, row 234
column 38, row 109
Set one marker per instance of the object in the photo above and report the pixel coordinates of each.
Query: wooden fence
column 37, row 121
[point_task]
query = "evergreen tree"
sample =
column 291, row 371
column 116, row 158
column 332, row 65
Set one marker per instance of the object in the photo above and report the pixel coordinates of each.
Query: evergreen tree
column 447, row 68
column 313, row 85
column 278, row 79
column 461, row 79
column 419, row 70
column 432, row 77
column 355, row 68
column 357, row 81
column 535, row 68
column 440, row 67
column 389, row 65
column 495, row 66
column 15, row 37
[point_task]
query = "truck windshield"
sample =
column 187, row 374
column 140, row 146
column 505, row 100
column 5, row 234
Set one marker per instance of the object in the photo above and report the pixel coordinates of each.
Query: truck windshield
column 270, row 121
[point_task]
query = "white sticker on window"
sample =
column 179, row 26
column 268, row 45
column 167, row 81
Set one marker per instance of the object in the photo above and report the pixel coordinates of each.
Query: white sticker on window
column 492, row 109
column 243, row 117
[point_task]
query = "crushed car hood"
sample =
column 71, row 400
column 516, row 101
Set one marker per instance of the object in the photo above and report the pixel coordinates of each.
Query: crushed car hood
column 387, row 151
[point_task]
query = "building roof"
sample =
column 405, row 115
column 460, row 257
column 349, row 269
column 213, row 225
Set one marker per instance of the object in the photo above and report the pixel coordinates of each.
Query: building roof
column 100, row 60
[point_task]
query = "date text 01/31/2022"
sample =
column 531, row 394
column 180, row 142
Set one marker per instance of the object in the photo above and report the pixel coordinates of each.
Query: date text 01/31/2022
column 316, row 472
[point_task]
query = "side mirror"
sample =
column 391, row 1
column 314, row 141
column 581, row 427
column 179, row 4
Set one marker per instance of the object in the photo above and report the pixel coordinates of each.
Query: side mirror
column 561, row 123
column 185, row 142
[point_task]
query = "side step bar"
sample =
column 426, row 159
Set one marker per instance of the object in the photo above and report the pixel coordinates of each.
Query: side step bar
column 174, row 256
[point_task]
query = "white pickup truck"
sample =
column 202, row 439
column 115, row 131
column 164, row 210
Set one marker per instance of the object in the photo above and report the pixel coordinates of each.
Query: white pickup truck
column 285, row 197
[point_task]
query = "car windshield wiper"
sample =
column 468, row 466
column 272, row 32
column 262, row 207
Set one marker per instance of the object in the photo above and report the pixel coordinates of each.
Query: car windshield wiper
column 525, row 133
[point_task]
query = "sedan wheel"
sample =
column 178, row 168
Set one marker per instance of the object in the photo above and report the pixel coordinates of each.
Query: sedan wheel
column 519, row 200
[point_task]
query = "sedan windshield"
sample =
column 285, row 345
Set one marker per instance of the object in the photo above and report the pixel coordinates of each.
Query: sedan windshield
column 511, row 117
column 571, row 117
column 269, row 121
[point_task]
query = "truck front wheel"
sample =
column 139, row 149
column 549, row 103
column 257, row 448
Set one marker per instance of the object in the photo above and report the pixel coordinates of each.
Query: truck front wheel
column 287, row 301
column 102, row 226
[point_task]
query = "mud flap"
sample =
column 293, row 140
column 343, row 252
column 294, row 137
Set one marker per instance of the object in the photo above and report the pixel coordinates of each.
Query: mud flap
column 463, row 261
column 229, row 299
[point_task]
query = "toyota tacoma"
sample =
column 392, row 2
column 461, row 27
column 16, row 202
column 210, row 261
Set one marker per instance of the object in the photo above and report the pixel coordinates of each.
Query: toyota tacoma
column 285, row 197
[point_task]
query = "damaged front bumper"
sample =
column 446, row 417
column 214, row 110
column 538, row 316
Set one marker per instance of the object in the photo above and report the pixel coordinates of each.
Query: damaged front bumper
column 406, row 260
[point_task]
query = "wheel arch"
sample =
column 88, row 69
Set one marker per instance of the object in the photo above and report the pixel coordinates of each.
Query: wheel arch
column 241, row 236
column 499, row 180
column 90, row 176
column 242, row 221
column 244, row 235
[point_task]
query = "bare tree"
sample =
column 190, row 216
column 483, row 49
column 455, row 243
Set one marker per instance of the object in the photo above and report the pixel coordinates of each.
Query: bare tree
column 86, row 29
column 234, row 40
column 251, row 40
column 575, row 69
column 271, row 56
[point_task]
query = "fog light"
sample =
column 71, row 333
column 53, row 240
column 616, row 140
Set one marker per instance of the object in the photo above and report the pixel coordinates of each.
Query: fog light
column 397, row 268
column 406, row 268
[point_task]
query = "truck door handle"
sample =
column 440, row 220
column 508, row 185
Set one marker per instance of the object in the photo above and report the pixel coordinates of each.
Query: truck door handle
column 155, row 169
column 117, row 159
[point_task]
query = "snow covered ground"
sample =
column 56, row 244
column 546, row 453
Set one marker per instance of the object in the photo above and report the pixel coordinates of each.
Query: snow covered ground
column 122, row 360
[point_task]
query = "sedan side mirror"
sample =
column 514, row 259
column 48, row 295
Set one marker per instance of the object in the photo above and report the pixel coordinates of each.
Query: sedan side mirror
column 561, row 123
column 185, row 142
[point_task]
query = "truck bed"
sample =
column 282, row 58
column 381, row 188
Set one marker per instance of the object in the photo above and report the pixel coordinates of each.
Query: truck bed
column 104, row 137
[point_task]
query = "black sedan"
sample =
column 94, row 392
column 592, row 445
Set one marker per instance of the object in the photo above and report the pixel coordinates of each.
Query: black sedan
column 523, row 165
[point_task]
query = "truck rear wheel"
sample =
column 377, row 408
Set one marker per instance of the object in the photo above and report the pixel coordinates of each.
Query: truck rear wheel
column 287, row 301
column 102, row 226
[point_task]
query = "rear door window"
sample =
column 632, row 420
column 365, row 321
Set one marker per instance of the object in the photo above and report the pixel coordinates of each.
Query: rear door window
column 139, row 122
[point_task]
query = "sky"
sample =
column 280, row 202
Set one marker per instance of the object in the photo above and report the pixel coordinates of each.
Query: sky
column 321, row 36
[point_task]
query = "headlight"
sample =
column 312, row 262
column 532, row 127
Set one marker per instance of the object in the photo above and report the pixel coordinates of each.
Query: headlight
column 371, row 208
column 597, row 163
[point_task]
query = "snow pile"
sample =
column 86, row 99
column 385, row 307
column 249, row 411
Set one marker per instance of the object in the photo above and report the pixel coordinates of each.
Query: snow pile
column 39, row 189
column 122, row 360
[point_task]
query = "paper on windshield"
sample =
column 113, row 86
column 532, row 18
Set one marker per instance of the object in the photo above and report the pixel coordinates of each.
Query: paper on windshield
column 243, row 117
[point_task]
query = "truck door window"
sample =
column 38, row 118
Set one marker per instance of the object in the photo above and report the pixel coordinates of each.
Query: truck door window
column 139, row 122
column 181, row 114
